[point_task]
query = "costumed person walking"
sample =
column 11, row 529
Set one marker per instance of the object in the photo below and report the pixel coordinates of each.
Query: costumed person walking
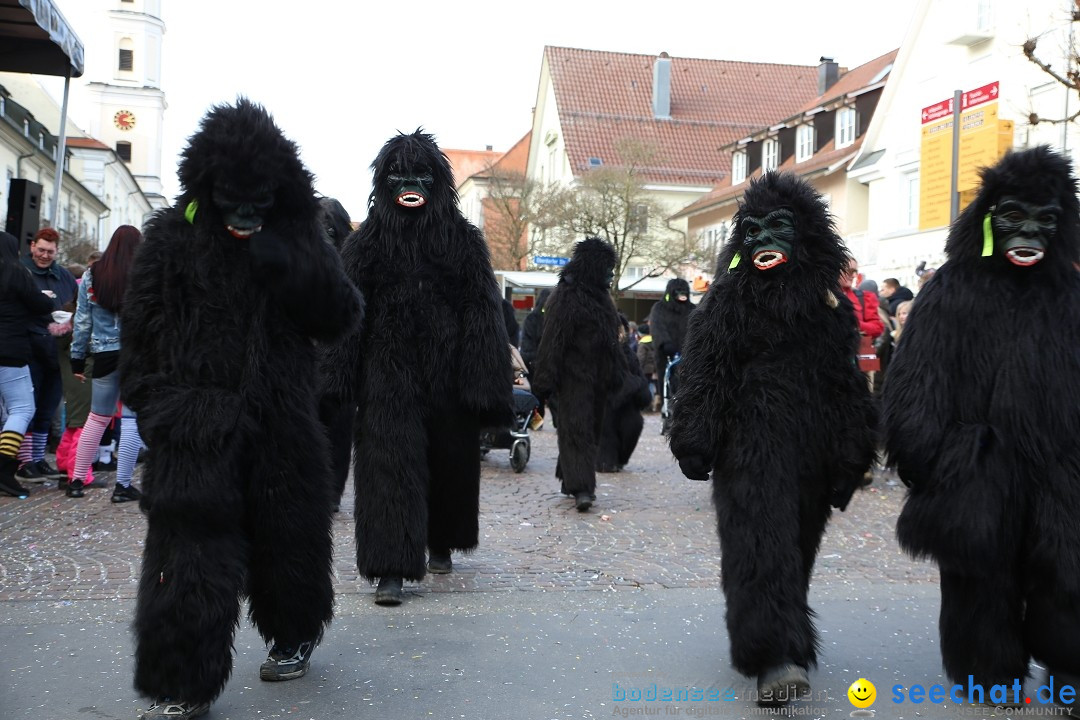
column 97, row 332
column 21, row 302
column 623, row 421
column 667, row 324
column 532, row 329
column 427, row 373
column 229, row 292
column 579, row 362
column 981, row 408
column 773, row 405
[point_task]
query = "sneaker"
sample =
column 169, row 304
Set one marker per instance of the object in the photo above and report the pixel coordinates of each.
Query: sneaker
column 101, row 480
column 389, row 592
column 75, row 489
column 104, row 467
column 583, row 501
column 30, row 472
column 125, row 494
column 286, row 663
column 10, row 486
column 47, row 470
column 440, row 563
column 166, row 709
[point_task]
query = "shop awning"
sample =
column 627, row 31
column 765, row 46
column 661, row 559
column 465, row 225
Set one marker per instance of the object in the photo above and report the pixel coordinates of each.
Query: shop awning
column 35, row 38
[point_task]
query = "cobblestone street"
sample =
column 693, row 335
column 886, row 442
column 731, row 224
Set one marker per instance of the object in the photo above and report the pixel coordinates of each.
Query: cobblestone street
column 650, row 527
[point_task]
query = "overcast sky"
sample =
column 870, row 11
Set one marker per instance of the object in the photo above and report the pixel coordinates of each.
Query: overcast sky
column 342, row 77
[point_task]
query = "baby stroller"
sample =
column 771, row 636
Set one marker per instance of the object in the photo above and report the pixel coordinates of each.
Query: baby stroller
column 669, row 388
column 516, row 437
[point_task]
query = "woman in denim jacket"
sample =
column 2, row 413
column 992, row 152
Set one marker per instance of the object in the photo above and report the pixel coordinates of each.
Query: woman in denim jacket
column 97, row 332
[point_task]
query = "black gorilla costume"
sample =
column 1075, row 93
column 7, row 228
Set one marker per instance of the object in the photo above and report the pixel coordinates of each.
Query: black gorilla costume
column 982, row 418
column 337, row 417
column 579, row 362
column 430, row 369
column 773, row 404
column 226, row 296
column 532, row 329
column 623, row 422
column 667, row 322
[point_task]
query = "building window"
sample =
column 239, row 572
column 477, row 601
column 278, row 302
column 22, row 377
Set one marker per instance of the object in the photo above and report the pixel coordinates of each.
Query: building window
column 127, row 60
column 845, row 127
column 909, row 200
column 41, row 140
column 26, row 127
column 984, row 16
column 804, row 142
column 738, row 167
column 770, row 154
column 639, row 219
column 123, row 149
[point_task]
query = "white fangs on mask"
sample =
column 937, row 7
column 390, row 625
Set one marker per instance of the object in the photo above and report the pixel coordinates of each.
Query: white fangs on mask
column 242, row 233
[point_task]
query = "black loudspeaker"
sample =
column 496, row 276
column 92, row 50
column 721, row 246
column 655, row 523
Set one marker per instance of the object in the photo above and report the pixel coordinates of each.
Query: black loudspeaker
column 24, row 210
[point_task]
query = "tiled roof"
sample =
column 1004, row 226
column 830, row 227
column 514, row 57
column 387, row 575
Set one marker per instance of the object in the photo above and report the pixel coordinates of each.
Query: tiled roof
column 90, row 143
column 466, row 163
column 516, row 158
column 823, row 159
column 604, row 97
column 828, row 156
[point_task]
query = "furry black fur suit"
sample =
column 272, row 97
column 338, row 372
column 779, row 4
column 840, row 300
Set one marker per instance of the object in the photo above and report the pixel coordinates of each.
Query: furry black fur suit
column 982, row 418
column 532, row 329
column 774, row 406
column 337, row 418
column 667, row 322
column 623, row 421
column 430, row 368
column 579, row 362
column 219, row 362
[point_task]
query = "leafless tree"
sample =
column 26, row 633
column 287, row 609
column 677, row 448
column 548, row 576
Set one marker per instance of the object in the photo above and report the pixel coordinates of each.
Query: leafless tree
column 1069, row 76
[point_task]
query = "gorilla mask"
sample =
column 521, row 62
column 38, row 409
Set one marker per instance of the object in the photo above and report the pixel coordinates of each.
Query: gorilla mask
column 767, row 240
column 243, row 210
column 1023, row 230
column 411, row 172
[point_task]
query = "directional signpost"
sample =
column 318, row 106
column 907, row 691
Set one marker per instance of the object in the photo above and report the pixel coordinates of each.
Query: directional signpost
column 984, row 138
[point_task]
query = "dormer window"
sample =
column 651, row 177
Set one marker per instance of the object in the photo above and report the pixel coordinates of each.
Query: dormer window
column 738, row 167
column 845, row 127
column 804, row 142
column 770, row 154
column 41, row 141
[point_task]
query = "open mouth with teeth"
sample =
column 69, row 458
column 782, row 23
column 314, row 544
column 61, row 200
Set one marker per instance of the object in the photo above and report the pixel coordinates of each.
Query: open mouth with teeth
column 768, row 259
column 411, row 199
column 242, row 233
column 1024, row 256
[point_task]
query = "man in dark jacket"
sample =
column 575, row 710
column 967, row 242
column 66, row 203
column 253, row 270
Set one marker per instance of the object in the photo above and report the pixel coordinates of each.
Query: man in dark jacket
column 55, row 281
column 893, row 293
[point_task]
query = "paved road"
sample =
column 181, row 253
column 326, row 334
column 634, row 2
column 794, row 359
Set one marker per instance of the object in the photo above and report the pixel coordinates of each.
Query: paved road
column 553, row 615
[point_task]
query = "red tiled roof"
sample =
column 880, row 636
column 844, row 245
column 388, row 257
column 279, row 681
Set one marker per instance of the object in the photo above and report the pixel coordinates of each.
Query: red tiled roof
column 516, row 158
column 823, row 159
column 466, row 163
column 604, row 97
column 82, row 142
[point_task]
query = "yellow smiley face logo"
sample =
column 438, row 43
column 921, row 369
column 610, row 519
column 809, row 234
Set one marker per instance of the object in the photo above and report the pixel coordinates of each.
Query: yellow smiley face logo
column 862, row 693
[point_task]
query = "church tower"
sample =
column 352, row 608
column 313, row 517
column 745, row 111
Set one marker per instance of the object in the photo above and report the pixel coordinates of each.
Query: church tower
column 125, row 91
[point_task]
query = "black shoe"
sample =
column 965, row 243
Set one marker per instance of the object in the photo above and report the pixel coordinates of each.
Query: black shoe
column 75, row 489
column 47, row 470
column 439, row 562
column 166, row 709
column 584, row 501
column 782, row 684
column 104, row 467
column 30, row 472
column 286, row 663
column 389, row 592
column 125, row 494
column 10, row 486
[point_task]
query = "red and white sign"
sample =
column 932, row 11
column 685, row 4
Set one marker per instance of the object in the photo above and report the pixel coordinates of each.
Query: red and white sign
column 978, row 96
column 937, row 111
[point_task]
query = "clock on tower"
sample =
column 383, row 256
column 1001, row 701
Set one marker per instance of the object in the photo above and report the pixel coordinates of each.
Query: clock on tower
column 124, row 119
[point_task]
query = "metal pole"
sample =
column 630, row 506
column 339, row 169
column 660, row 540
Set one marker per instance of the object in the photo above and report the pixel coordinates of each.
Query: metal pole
column 60, row 143
column 954, row 192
